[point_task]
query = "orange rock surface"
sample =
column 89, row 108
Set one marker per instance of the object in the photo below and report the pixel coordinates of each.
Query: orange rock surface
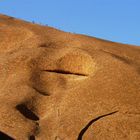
column 62, row 86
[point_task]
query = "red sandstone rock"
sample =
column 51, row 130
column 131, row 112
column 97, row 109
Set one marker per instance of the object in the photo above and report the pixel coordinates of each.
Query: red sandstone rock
column 62, row 86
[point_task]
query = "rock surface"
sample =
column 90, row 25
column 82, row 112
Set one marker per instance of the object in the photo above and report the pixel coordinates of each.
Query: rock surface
column 62, row 86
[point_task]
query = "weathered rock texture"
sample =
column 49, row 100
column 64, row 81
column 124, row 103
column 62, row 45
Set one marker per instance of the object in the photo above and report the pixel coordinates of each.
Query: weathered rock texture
column 62, row 86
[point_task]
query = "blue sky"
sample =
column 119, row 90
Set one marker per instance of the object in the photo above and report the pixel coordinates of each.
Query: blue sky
column 116, row 20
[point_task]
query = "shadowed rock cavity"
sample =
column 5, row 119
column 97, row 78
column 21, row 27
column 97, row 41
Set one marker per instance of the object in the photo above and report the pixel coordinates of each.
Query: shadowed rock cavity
column 4, row 136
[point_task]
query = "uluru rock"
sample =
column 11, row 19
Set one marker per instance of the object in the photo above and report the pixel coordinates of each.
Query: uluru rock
column 62, row 86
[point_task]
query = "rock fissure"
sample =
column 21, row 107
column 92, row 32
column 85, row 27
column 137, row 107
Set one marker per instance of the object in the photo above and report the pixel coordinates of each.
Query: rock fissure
column 83, row 131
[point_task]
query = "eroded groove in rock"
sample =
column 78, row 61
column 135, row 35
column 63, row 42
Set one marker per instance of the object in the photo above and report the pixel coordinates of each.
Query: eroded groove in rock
column 32, row 137
column 41, row 92
column 4, row 136
column 37, row 129
column 26, row 112
column 57, row 138
column 82, row 132
column 123, row 59
column 65, row 72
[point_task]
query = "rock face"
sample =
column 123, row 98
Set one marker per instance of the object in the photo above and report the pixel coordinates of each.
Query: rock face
column 63, row 86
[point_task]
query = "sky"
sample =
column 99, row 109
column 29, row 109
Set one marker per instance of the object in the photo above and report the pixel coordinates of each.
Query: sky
column 115, row 20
